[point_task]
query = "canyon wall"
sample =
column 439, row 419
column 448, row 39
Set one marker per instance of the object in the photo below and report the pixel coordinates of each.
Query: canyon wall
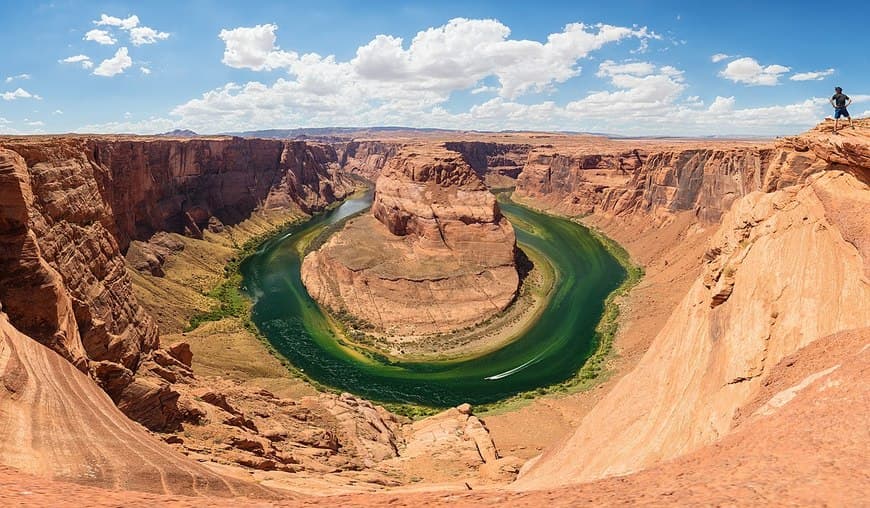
column 492, row 160
column 434, row 255
column 366, row 158
column 495, row 163
column 71, row 206
column 660, row 182
column 573, row 182
column 787, row 266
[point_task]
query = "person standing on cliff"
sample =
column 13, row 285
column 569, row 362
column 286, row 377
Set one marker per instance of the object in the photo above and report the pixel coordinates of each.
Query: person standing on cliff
column 841, row 101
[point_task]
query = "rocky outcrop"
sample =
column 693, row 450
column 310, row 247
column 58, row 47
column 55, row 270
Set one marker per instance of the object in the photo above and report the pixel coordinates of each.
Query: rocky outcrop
column 319, row 434
column 708, row 182
column 785, row 268
column 450, row 445
column 495, row 163
column 434, row 255
column 71, row 206
column 57, row 423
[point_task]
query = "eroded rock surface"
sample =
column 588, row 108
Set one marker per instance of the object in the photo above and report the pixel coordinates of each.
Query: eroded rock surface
column 434, row 255
column 57, row 423
column 366, row 158
column 786, row 268
column 72, row 205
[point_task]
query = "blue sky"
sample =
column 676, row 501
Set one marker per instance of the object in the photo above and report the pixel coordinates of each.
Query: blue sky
column 639, row 67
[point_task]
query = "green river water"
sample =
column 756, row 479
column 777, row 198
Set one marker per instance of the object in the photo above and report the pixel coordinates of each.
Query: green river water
column 551, row 351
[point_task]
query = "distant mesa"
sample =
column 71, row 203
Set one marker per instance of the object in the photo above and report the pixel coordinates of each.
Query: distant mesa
column 333, row 133
column 179, row 133
column 434, row 255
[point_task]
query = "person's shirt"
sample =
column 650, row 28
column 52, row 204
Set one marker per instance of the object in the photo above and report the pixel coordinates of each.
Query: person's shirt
column 840, row 99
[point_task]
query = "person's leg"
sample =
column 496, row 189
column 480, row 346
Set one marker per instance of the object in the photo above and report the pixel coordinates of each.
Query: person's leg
column 836, row 118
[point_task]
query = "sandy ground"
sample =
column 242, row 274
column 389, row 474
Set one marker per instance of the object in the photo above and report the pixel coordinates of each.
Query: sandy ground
column 224, row 348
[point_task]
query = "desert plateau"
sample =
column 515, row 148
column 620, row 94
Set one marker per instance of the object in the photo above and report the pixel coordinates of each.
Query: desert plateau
column 444, row 266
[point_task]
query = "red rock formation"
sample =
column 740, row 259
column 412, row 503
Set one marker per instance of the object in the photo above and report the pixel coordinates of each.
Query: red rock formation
column 786, row 268
column 705, row 181
column 71, row 206
column 435, row 254
column 56, row 422
column 573, row 181
column 492, row 159
column 366, row 158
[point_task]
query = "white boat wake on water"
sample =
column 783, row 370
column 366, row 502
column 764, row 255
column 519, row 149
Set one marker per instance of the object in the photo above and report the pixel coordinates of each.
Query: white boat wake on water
column 514, row 370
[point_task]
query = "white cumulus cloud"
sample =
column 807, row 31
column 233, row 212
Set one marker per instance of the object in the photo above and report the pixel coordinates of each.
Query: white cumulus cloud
column 19, row 93
column 10, row 79
column 146, row 35
column 139, row 34
column 254, row 48
column 722, row 104
column 115, row 65
column 124, row 24
column 641, row 91
column 747, row 70
column 811, row 76
column 718, row 57
column 437, row 61
column 84, row 60
column 145, row 70
column 100, row 37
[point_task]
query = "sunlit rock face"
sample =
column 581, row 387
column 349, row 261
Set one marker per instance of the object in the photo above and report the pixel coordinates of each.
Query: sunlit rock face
column 434, row 255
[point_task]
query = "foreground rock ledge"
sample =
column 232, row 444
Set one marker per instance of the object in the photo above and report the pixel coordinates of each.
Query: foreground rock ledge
column 434, row 255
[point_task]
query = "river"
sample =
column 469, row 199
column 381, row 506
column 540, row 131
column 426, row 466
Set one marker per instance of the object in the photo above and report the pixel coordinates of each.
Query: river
column 549, row 352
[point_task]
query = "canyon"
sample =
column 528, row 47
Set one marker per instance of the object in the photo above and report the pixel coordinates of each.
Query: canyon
column 747, row 335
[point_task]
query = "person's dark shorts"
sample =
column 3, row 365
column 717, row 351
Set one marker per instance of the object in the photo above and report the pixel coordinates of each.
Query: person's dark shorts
column 838, row 112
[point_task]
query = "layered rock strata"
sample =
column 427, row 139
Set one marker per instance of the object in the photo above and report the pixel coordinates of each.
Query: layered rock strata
column 56, row 422
column 575, row 182
column 497, row 164
column 366, row 158
column 658, row 184
column 71, row 206
column 434, row 255
column 787, row 267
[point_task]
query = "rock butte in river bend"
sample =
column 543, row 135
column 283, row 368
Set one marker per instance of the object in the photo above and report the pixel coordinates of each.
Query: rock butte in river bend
column 751, row 387
column 434, row 255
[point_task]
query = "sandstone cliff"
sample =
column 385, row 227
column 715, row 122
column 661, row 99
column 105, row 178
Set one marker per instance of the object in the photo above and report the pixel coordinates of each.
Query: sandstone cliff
column 366, row 158
column 435, row 254
column 71, row 206
column 497, row 164
column 56, row 422
column 785, row 268
column 573, row 181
